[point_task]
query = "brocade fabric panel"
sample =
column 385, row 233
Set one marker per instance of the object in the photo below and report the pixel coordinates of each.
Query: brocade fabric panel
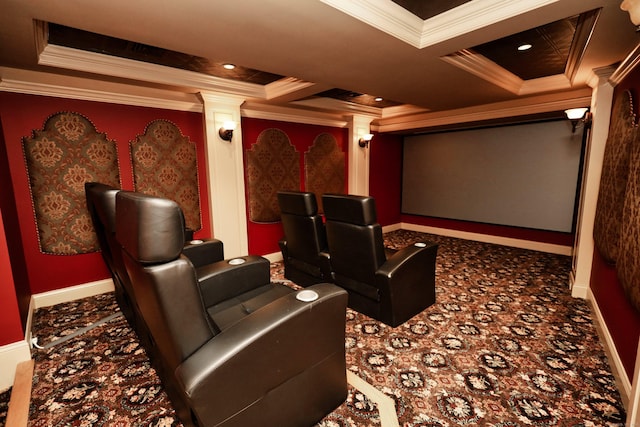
column 613, row 183
column 61, row 158
column 273, row 164
column 324, row 167
column 628, row 265
column 165, row 165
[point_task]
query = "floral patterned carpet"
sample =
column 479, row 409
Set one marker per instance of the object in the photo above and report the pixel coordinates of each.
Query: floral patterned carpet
column 504, row 345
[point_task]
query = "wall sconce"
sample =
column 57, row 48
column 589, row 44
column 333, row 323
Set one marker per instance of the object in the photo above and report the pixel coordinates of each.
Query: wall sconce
column 226, row 131
column 364, row 140
column 578, row 115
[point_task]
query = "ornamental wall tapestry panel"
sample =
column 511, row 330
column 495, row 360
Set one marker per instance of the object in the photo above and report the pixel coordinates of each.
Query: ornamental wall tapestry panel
column 613, row 182
column 165, row 165
column 60, row 158
column 324, row 167
column 273, row 164
column 628, row 265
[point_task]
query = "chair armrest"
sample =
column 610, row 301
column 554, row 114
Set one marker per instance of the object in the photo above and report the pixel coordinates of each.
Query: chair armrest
column 273, row 345
column 407, row 281
column 203, row 252
column 325, row 265
column 223, row 280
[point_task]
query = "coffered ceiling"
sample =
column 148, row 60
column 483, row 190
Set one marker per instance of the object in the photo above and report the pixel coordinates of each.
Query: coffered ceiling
column 407, row 63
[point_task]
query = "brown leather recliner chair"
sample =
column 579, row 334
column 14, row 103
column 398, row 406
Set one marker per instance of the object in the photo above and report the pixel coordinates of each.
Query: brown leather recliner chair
column 391, row 290
column 236, row 350
column 304, row 246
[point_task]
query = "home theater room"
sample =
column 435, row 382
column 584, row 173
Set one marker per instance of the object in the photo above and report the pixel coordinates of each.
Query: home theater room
column 411, row 212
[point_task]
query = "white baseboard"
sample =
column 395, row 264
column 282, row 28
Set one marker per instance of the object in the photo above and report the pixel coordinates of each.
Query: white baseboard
column 10, row 356
column 274, row 257
column 13, row 354
column 487, row 238
column 47, row 299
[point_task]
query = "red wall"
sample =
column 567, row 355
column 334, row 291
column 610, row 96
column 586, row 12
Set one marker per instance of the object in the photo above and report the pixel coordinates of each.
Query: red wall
column 263, row 238
column 385, row 176
column 622, row 320
column 21, row 114
column 10, row 326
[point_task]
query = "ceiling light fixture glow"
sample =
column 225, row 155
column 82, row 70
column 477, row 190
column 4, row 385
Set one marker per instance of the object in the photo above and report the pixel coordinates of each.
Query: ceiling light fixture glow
column 229, row 66
column 378, row 99
column 524, row 47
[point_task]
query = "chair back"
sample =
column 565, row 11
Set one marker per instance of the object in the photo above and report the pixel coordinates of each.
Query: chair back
column 151, row 232
column 354, row 237
column 303, row 226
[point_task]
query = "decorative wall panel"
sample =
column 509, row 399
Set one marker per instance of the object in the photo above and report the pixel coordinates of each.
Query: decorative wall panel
column 60, row 158
column 324, row 167
column 615, row 173
column 273, row 164
column 165, row 165
column 628, row 265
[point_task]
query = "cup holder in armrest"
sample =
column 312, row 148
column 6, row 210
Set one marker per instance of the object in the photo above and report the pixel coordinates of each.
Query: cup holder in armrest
column 237, row 261
column 196, row 241
column 420, row 245
column 307, row 295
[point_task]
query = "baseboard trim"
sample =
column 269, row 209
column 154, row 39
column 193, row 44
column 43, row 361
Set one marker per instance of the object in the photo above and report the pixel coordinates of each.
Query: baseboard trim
column 47, row 299
column 11, row 355
column 487, row 238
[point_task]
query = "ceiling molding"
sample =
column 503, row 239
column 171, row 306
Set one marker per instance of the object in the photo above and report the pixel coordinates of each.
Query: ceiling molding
column 294, row 115
column 79, row 60
column 403, row 25
column 27, row 84
column 285, row 86
column 491, row 72
column 626, row 66
column 338, row 105
column 543, row 104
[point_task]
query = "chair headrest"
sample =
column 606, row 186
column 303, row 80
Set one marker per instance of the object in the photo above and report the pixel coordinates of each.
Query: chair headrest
column 150, row 229
column 359, row 210
column 297, row 203
column 103, row 199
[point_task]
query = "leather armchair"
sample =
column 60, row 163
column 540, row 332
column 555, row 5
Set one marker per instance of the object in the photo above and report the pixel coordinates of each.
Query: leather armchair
column 391, row 290
column 236, row 350
column 101, row 204
column 304, row 246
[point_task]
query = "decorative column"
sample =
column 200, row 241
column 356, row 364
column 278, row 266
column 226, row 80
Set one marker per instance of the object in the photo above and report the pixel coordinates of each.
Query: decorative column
column 225, row 173
column 358, row 156
column 583, row 248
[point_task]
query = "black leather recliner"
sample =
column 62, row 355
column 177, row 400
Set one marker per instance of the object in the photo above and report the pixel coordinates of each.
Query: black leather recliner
column 390, row 290
column 101, row 204
column 236, row 350
column 304, row 246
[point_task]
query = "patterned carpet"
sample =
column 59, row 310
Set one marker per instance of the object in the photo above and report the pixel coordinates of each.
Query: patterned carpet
column 505, row 345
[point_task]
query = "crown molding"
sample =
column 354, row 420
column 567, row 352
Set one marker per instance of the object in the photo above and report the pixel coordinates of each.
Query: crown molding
column 338, row 105
column 96, row 63
column 403, row 25
column 625, row 67
column 521, row 107
column 491, row 72
column 294, row 115
column 36, row 83
column 285, row 86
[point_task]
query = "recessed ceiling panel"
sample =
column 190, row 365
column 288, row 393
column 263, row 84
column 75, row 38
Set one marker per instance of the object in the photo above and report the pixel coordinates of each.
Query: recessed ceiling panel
column 70, row 37
column 548, row 55
column 426, row 9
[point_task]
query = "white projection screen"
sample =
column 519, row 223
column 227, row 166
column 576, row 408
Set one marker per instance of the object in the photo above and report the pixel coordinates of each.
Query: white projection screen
column 522, row 175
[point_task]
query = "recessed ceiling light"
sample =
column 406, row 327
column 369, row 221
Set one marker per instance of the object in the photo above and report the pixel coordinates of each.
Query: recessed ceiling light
column 378, row 99
column 229, row 66
column 525, row 46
